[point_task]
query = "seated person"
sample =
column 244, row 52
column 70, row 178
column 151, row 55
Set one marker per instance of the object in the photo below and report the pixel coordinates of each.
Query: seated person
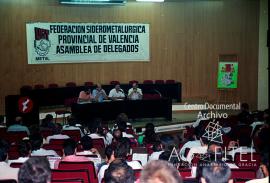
column 116, row 93
column 99, row 94
column 37, row 150
column 119, row 172
column 160, row 171
column 87, row 145
column 122, row 126
column 17, row 126
column 157, row 151
column 57, row 134
column 121, row 151
column 35, row 170
column 72, row 125
column 24, row 149
column 150, row 135
column 85, row 96
column 69, row 148
column 6, row 172
column 216, row 171
column 135, row 93
column 47, row 123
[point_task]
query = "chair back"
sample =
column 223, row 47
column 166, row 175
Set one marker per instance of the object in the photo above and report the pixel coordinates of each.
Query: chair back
column 70, row 174
column 74, row 134
column 238, row 173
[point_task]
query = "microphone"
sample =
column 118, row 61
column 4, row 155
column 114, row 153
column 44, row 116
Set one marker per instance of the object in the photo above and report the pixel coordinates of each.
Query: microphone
column 158, row 93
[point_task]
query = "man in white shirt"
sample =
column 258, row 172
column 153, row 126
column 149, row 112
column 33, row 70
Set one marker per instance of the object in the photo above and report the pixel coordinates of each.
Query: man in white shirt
column 201, row 149
column 116, row 93
column 37, row 150
column 135, row 93
column 6, row 172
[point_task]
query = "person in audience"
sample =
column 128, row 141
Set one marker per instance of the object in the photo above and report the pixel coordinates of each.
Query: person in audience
column 157, row 151
column 72, row 125
column 216, row 171
column 57, row 134
column 244, row 117
column 160, row 171
column 150, row 136
column 121, row 151
column 85, row 96
column 109, row 152
column 24, row 149
column 116, row 93
column 37, row 150
column 135, row 93
column 18, row 127
column 6, row 172
column 96, row 131
column 119, row 172
column 69, row 148
column 35, row 170
column 122, row 126
column 87, row 145
column 188, row 145
column 99, row 94
column 47, row 123
column 117, row 135
column 265, row 172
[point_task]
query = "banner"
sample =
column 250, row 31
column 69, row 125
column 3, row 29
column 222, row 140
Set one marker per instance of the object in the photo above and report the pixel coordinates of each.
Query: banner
column 49, row 43
column 227, row 74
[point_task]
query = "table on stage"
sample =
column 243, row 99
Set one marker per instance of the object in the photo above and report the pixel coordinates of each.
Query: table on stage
column 108, row 110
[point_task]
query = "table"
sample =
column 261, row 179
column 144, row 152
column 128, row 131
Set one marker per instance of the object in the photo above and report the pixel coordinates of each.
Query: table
column 57, row 96
column 133, row 108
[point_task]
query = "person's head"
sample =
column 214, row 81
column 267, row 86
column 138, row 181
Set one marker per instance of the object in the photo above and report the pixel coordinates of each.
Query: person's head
column 36, row 141
column 122, row 148
column 160, row 171
column 69, row 147
column 215, row 151
column 49, row 118
column 122, row 117
column 18, row 120
column 157, row 146
column 216, row 171
column 86, row 142
column 71, row 121
column 150, row 134
column 117, row 87
column 109, row 152
column 119, row 172
column 122, row 126
column 24, row 148
column 134, row 85
column 35, row 170
column 3, row 150
column 99, row 87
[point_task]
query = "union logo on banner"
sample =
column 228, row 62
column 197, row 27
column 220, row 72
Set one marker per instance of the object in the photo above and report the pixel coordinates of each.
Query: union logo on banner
column 25, row 105
column 42, row 42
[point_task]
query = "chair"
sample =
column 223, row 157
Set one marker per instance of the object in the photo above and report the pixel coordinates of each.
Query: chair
column 70, row 174
column 39, row 86
column 71, row 84
column 56, row 147
column 46, row 133
column 133, row 81
column 247, row 160
column 159, row 81
column 243, row 173
column 114, row 82
column 185, row 172
column 98, row 143
column 148, row 82
column 53, row 85
column 16, row 165
column 74, row 134
column 170, row 81
column 57, row 142
column 8, row 181
column 16, row 136
column 13, row 152
column 88, row 83
column 88, row 165
column 68, row 181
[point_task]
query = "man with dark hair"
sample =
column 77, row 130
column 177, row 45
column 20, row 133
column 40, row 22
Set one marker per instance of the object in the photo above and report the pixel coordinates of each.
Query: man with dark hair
column 35, row 170
column 87, row 145
column 99, row 94
column 216, row 171
column 116, row 93
column 37, row 150
column 119, row 172
column 57, row 134
column 6, row 172
column 122, row 126
column 18, row 127
column 160, row 171
column 69, row 148
column 24, row 149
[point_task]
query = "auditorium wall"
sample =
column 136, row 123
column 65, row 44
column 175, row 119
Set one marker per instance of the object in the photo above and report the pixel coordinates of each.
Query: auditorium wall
column 186, row 37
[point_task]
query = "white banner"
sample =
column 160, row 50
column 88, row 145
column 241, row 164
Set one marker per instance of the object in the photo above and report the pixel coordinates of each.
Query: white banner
column 49, row 43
